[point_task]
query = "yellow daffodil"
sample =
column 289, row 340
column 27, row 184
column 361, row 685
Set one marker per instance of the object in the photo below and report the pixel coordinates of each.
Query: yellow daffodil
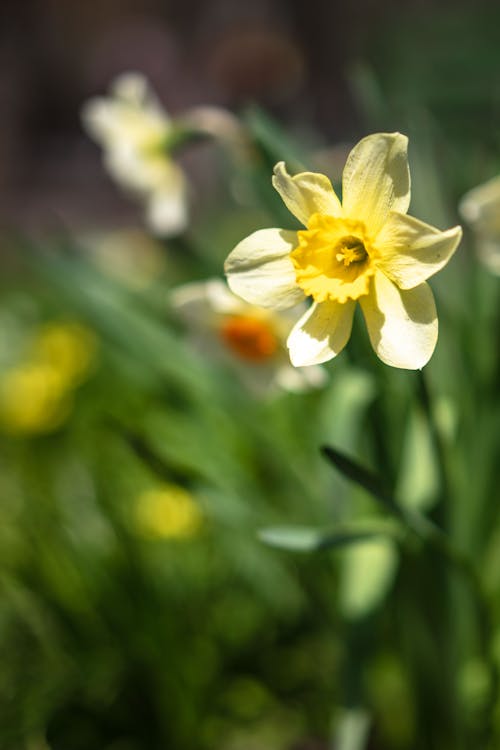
column 70, row 348
column 34, row 399
column 134, row 129
column 364, row 249
column 168, row 512
column 480, row 208
column 36, row 395
column 250, row 338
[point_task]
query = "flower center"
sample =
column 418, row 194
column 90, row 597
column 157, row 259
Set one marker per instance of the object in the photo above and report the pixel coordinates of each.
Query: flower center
column 333, row 259
column 350, row 250
column 252, row 339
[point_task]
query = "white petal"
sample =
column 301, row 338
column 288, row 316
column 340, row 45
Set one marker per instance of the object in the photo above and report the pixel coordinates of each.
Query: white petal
column 402, row 325
column 213, row 294
column 480, row 207
column 131, row 115
column 299, row 380
column 167, row 210
column 376, row 179
column 99, row 119
column 134, row 89
column 260, row 271
column 321, row 333
column 488, row 250
column 306, row 193
column 412, row 251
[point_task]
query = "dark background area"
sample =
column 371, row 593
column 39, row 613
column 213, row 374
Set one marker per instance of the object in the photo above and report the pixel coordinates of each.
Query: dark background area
column 303, row 61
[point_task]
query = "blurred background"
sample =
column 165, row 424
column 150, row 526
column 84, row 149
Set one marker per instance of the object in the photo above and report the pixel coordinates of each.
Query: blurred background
column 139, row 609
column 317, row 67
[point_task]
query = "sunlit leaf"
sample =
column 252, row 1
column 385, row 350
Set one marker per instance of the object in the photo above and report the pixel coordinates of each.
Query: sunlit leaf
column 367, row 573
column 308, row 539
column 351, row 730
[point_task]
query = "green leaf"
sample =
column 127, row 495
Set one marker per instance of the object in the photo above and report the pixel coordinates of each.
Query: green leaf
column 360, row 475
column 366, row 574
column 273, row 140
column 418, row 481
column 352, row 729
column 311, row 539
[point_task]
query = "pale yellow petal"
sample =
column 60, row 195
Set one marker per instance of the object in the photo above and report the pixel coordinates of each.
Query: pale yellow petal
column 376, row 180
column 260, row 270
column 99, row 119
column 306, row 193
column 402, row 325
column 134, row 89
column 321, row 333
column 409, row 251
column 480, row 207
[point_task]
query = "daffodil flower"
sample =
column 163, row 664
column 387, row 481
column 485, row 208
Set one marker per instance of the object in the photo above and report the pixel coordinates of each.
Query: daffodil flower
column 480, row 208
column 364, row 249
column 168, row 512
column 134, row 130
column 249, row 338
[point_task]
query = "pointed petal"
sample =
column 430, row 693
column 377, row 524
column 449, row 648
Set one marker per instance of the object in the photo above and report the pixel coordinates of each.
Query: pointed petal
column 99, row 118
column 480, row 207
column 402, row 325
column 260, row 270
column 321, row 333
column 306, row 193
column 134, row 89
column 411, row 251
column 376, row 179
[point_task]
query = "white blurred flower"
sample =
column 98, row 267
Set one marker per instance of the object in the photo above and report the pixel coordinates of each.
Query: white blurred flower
column 480, row 208
column 134, row 129
column 253, row 339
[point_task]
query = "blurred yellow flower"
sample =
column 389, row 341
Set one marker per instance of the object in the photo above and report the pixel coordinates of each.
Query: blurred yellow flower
column 134, row 129
column 168, row 512
column 250, row 338
column 69, row 348
column 365, row 248
column 480, row 208
column 36, row 395
column 33, row 399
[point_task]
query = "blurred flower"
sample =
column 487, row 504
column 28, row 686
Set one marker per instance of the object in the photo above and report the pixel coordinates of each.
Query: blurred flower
column 69, row 348
column 480, row 208
column 36, row 395
column 33, row 399
column 169, row 512
column 136, row 133
column 253, row 339
column 365, row 249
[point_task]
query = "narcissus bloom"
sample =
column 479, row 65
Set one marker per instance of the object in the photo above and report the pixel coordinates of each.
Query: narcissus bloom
column 364, row 249
column 168, row 512
column 36, row 395
column 134, row 130
column 249, row 338
column 480, row 208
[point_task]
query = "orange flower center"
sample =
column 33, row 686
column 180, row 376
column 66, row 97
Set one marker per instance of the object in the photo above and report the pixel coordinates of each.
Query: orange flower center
column 250, row 338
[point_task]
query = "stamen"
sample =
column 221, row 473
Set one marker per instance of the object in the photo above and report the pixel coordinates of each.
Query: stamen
column 352, row 250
